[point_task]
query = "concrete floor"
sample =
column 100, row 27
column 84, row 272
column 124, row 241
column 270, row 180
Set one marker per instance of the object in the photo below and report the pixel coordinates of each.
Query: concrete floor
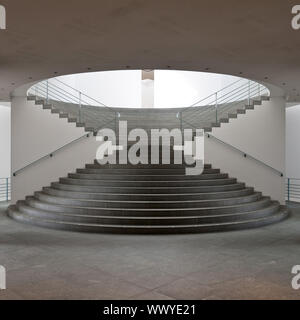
column 250, row 264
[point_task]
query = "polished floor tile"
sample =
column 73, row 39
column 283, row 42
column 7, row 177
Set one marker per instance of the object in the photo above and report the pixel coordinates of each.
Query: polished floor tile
column 50, row 264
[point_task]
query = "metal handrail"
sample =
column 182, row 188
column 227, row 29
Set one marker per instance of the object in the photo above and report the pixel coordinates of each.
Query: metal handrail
column 245, row 154
column 51, row 154
column 84, row 94
column 211, row 95
column 226, row 104
column 57, row 93
column 49, row 87
column 223, row 101
column 248, row 85
column 227, row 96
column 67, row 99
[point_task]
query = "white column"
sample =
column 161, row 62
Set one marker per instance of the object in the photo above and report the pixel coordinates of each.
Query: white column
column 147, row 88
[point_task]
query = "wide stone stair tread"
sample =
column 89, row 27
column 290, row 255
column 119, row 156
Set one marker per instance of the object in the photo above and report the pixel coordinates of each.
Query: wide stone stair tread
column 242, row 207
column 151, row 197
column 156, row 183
column 146, row 220
column 149, row 229
column 145, row 189
column 146, row 202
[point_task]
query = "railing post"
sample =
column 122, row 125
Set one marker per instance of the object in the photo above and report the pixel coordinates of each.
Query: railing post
column 47, row 92
column 6, row 189
column 288, row 189
column 216, row 105
column 80, row 115
column 181, row 123
column 116, row 127
column 249, row 91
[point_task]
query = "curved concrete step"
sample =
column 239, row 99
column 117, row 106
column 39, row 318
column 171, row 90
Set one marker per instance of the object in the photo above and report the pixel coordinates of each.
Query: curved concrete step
column 148, row 212
column 147, row 204
column 151, row 177
column 161, row 183
column 152, row 171
column 133, row 171
column 156, row 220
column 140, row 166
column 151, row 229
column 148, row 190
column 148, row 197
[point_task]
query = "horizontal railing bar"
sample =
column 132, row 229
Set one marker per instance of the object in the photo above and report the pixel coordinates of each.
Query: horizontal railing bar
column 84, row 94
column 243, row 88
column 224, row 106
column 212, row 102
column 83, row 106
column 238, row 95
column 243, row 92
column 296, row 186
column 62, row 95
column 215, row 93
column 72, row 96
column 55, row 95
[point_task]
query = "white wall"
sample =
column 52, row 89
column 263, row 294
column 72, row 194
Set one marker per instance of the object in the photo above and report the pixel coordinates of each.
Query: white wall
column 147, row 93
column 172, row 88
column 37, row 132
column 293, row 142
column 113, row 88
column 5, row 141
column 183, row 88
column 260, row 133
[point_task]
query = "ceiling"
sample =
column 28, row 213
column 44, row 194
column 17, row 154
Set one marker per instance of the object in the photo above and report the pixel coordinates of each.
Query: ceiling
column 253, row 39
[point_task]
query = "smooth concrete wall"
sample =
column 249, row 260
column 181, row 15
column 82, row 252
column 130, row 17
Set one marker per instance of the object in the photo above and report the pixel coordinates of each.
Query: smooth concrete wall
column 36, row 133
column 4, row 141
column 261, row 134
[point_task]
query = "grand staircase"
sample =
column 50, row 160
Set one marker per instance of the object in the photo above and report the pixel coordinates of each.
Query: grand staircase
column 147, row 199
